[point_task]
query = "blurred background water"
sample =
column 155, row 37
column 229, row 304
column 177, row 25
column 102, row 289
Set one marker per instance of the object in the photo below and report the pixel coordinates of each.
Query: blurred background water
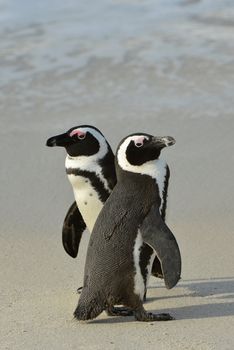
column 115, row 58
column 159, row 66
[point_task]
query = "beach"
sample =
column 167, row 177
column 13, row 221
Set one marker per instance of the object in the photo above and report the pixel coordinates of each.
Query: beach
column 165, row 68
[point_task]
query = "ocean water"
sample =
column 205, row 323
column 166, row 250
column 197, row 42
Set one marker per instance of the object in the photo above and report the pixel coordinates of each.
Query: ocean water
column 115, row 59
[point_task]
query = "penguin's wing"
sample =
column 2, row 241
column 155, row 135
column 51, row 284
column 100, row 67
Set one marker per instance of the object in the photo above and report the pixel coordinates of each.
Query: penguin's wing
column 73, row 227
column 156, row 234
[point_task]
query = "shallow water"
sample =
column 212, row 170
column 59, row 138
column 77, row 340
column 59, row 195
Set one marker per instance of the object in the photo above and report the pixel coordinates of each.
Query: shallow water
column 121, row 58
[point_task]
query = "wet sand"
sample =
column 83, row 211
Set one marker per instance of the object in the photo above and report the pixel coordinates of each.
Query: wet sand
column 123, row 66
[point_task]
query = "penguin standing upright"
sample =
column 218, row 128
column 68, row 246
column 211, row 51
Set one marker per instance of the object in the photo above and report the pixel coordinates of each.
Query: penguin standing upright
column 90, row 167
column 91, row 171
column 130, row 223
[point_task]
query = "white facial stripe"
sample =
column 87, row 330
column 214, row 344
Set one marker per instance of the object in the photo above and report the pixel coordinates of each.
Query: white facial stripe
column 155, row 168
column 90, row 163
column 101, row 139
column 122, row 160
column 121, row 155
column 102, row 143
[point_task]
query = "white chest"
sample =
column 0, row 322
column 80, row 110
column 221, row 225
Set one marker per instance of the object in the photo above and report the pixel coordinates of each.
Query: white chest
column 86, row 198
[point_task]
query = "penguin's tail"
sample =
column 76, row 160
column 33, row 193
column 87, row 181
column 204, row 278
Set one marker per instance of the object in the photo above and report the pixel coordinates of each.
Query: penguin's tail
column 88, row 307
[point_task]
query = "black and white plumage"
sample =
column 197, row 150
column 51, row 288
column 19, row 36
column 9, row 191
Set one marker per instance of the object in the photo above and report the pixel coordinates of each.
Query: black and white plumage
column 91, row 172
column 129, row 223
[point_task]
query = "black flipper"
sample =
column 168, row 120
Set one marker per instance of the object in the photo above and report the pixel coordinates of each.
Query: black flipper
column 73, row 228
column 157, row 235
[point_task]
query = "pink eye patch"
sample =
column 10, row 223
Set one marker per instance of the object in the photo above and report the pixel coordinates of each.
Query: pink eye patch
column 139, row 141
column 79, row 133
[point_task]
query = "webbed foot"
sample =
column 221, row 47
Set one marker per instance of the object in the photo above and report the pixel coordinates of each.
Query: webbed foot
column 144, row 316
column 119, row 311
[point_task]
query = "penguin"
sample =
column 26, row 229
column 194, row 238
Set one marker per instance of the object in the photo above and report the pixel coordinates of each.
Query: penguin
column 91, row 171
column 97, row 170
column 130, row 223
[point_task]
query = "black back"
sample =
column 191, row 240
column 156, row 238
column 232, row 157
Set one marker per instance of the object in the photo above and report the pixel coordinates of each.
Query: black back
column 109, row 262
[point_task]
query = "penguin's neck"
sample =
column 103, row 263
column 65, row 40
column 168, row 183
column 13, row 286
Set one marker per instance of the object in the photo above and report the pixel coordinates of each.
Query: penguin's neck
column 87, row 163
column 156, row 170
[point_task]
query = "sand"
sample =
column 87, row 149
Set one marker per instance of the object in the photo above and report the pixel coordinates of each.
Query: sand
column 159, row 79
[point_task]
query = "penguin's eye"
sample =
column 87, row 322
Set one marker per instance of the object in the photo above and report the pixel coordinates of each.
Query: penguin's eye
column 138, row 144
column 81, row 136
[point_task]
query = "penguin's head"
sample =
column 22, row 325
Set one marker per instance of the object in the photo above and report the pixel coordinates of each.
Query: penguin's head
column 84, row 140
column 137, row 150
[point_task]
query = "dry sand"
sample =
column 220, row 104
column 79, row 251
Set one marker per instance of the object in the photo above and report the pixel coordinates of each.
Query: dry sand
column 183, row 91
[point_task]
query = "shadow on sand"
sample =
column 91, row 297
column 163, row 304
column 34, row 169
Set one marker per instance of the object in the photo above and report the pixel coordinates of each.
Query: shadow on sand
column 202, row 311
column 222, row 288
column 216, row 288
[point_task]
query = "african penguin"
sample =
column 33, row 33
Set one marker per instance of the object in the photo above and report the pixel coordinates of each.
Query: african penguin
column 129, row 223
column 91, row 172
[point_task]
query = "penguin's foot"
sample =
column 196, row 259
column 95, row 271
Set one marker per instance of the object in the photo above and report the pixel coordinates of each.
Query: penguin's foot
column 142, row 315
column 119, row 311
column 79, row 290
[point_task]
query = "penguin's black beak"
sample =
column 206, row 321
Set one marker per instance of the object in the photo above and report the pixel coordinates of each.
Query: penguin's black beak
column 163, row 141
column 62, row 140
